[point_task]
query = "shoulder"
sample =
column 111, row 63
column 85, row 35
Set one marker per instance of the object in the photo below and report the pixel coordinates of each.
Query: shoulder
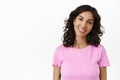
column 99, row 50
column 61, row 47
column 99, row 47
column 60, row 50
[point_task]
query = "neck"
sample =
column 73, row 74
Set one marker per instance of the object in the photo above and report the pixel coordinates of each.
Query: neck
column 80, row 42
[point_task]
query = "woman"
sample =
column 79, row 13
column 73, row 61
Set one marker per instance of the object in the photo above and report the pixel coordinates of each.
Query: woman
column 81, row 56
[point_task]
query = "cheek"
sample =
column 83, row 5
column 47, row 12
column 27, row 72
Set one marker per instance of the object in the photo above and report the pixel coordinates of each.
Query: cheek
column 76, row 23
column 90, row 28
column 74, row 27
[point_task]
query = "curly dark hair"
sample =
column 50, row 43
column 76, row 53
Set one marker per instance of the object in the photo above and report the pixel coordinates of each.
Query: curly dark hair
column 93, row 37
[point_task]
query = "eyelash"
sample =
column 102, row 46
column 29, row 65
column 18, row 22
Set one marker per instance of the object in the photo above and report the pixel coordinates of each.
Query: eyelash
column 88, row 21
column 80, row 19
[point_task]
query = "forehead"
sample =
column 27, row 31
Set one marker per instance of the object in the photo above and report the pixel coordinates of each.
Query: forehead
column 86, row 15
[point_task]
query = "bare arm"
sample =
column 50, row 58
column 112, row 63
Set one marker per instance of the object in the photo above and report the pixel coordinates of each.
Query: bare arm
column 56, row 73
column 103, row 73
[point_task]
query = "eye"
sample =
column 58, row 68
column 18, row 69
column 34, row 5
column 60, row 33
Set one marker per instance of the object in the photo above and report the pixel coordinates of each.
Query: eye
column 80, row 19
column 90, row 22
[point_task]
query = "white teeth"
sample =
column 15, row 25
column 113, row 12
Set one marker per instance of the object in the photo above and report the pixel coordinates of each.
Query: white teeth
column 82, row 30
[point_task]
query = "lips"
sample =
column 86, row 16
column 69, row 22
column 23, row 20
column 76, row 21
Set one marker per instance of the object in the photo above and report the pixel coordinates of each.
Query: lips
column 82, row 30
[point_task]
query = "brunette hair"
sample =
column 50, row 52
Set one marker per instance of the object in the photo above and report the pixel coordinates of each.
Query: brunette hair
column 93, row 37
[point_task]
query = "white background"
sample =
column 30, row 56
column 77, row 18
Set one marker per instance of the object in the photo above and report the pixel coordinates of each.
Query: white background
column 30, row 31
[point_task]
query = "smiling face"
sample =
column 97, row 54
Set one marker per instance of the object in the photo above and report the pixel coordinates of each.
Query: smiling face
column 83, row 23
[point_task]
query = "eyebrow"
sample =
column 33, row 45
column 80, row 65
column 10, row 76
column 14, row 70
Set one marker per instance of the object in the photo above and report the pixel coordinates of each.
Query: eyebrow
column 88, row 19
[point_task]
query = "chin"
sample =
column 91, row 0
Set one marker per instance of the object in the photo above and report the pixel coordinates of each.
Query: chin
column 81, row 35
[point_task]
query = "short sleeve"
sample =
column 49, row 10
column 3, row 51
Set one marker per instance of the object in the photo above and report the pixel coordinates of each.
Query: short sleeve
column 103, row 61
column 57, row 57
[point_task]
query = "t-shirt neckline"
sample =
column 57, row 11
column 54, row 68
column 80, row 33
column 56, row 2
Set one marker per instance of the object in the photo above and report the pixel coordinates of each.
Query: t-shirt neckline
column 81, row 49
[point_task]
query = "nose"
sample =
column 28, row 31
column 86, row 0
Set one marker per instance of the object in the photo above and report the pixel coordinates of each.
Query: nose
column 83, row 24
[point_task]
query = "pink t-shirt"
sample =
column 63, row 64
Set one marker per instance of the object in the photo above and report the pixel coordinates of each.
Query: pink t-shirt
column 80, row 64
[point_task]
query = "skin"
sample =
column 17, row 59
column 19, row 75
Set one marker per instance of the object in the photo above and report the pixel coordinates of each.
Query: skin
column 56, row 73
column 103, row 73
column 83, row 24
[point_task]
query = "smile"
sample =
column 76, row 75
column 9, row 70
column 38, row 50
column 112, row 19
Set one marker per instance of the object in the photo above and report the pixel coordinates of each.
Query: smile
column 82, row 30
